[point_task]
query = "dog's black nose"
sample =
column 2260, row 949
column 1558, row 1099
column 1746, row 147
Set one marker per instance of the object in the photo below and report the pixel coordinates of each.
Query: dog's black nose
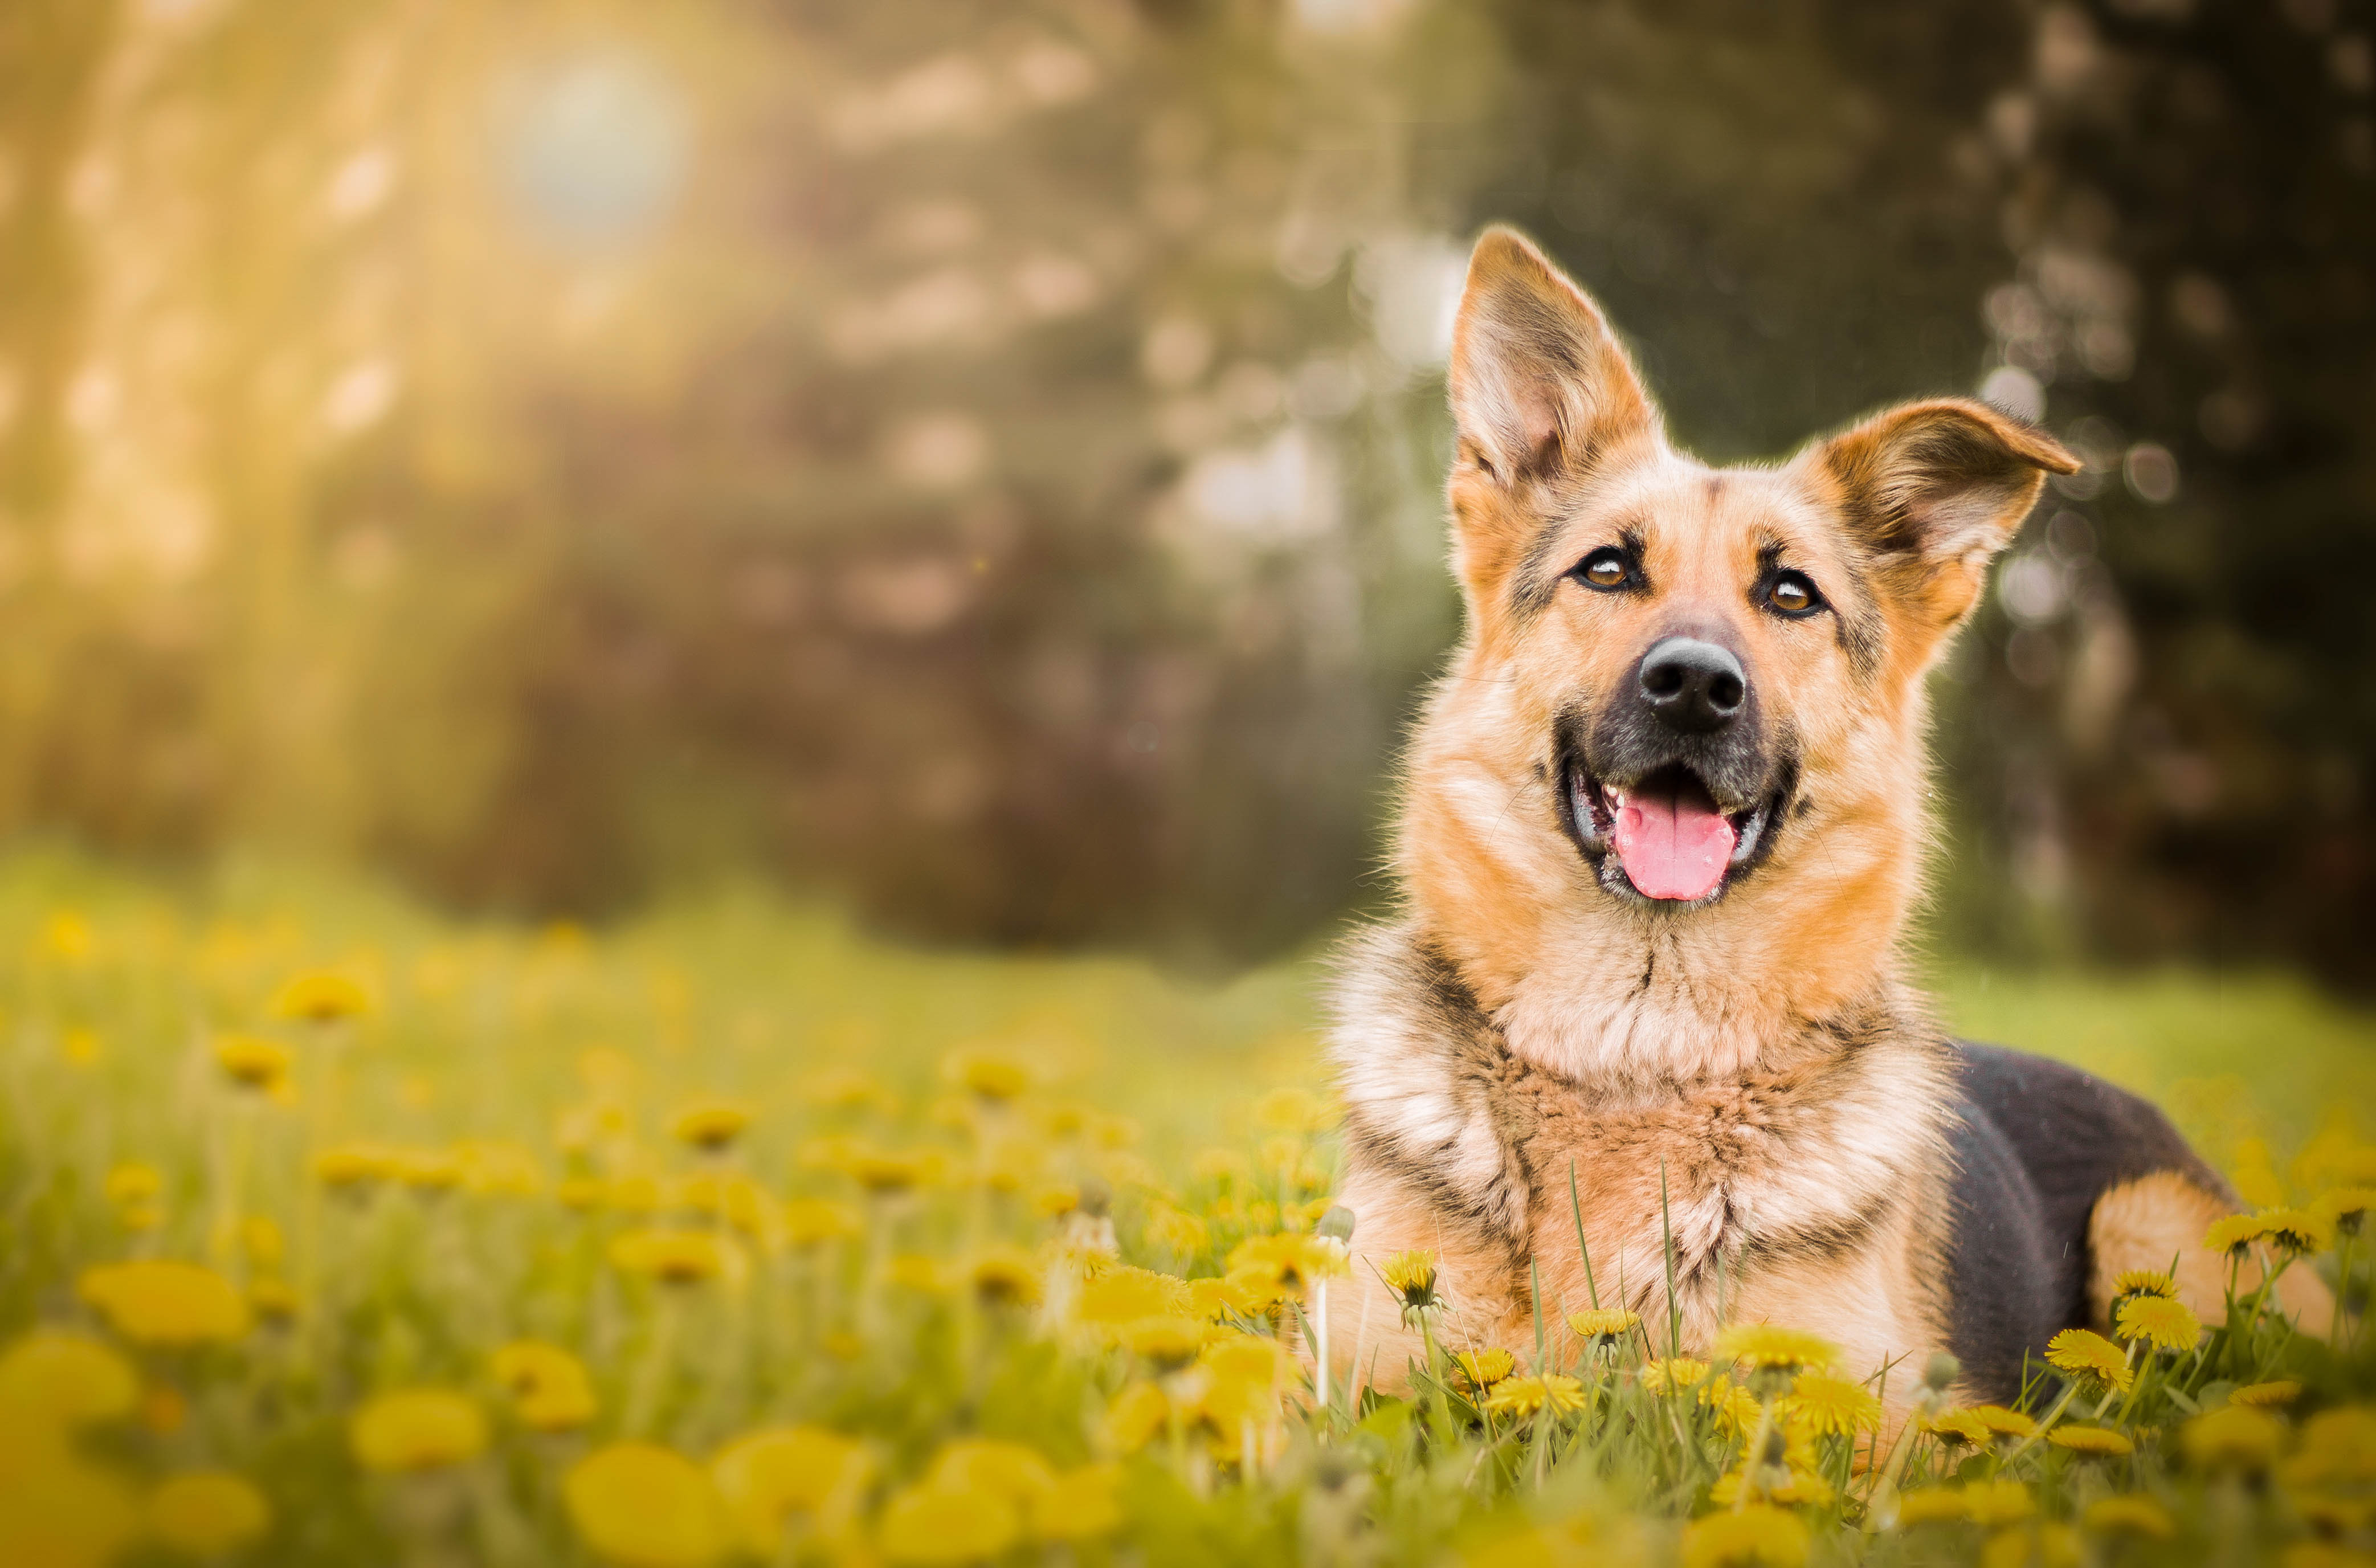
column 1692, row 686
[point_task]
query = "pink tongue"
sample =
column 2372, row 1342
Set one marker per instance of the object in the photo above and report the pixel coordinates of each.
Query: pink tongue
column 1672, row 846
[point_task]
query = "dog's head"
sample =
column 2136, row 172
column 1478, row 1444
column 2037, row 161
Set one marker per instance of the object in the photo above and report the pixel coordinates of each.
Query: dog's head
column 1695, row 675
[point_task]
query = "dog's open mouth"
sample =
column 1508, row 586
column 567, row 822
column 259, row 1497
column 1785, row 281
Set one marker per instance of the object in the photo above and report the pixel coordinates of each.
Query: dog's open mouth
column 1669, row 837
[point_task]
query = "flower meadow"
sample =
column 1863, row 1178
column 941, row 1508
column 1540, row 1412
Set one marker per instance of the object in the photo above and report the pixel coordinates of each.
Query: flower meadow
column 339, row 1236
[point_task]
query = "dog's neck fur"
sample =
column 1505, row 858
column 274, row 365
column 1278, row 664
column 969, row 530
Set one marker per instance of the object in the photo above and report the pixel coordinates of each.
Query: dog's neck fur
column 1603, row 992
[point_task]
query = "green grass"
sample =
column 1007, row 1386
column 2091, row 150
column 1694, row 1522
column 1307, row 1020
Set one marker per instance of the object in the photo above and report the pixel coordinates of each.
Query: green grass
column 508, row 1100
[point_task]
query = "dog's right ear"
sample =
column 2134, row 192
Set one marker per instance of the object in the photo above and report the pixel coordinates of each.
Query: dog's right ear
column 1542, row 390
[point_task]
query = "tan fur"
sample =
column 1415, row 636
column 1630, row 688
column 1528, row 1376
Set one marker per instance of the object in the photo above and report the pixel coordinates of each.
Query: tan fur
column 1749, row 1081
column 2146, row 1223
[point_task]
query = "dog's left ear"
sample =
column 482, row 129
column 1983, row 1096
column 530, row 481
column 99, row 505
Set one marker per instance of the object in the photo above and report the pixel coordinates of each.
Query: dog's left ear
column 1933, row 490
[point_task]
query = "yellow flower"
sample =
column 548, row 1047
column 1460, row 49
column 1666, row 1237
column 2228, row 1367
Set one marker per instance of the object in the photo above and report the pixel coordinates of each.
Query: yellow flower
column 1245, row 1373
column 1168, row 1343
column 1173, row 1229
column 2232, row 1437
column 2346, row 1206
column 1485, row 1368
column 59, row 1512
column 272, row 1299
column 889, row 1175
column 2145, row 1282
column 1289, row 1262
column 2003, row 1422
column 1756, row 1537
column 1292, row 1110
column 2287, row 1229
column 645, row 1507
column 2129, row 1514
column 1137, row 1416
column 767, row 1476
column 2100, row 1440
column 2042, row 1545
column 1767, row 1345
column 154, row 1302
column 1604, row 1322
column 935, row 1524
column 208, row 1513
column 989, row 1074
column 924, row 1275
column 1957, row 1426
column 1932, row 1505
column 549, row 1386
column 352, row 1164
column 1672, row 1375
column 2083, row 1353
column 1526, row 1396
column 1008, row 1470
column 1005, row 1276
column 1121, row 1296
column 1998, row 1502
column 260, row 1238
column 711, row 1125
column 2260, row 1396
column 678, row 1257
column 1054, row 1200
column 133, row 1183
column 54, row 1377
column 808, row 1221
column 1829, row 1404
column 2161, row 1322
column 416, row 1428
column 252, row 1062
column 1736, row 1409
column 1411, row 1276
column 2234, row 1234
column 321, row 997
column 1080, row 1506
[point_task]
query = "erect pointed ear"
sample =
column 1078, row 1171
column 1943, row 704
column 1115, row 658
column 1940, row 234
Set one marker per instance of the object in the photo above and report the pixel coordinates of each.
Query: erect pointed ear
column 1540, row 384
column 1933, row 490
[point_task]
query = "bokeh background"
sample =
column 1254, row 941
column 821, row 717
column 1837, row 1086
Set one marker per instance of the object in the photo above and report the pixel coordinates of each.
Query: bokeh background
column 981, row 461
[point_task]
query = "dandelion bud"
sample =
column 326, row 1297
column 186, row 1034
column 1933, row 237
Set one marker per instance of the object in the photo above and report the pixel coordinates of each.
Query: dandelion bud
column 1337, row 1224
column 1940, row 1371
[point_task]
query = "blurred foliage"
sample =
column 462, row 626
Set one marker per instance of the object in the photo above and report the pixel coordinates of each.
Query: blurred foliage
column 984, row 459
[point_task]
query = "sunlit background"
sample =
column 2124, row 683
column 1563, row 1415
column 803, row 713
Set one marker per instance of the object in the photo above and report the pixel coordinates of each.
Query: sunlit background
column 983, row 461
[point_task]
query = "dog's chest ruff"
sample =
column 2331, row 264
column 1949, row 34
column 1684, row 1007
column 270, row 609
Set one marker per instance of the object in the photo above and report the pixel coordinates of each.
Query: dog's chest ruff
column 1805, row 1159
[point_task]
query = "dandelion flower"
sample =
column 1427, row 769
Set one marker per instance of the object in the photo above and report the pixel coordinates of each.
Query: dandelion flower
column 2131, row 1515
column 1831, row 1405
column 208, row 1513
column 2143, row 1282
column 1003, row 1470
column 1289, row 1261
column 2093, row 1440
column 1292, row 1110
column 678, row 1257
column 56, row 1510
column 645, row 1507
column 1736, row 1409
column 1174, row 1230
column 53, row 1377
column 1005, row 1277
column 1526, row 1396
column 1412, row 1279
column 711, row 1125
column 2233, row 1234
column 1168, row 1343
column 549, row 1386
column 1054, row 1200
column 924, row 1275
column 2346, row 1206
column 1485, row 1368
column 1932, row 1505
column 273, row 1299
column 1602, row 1322
column 321, row 997
column 2002, row 1421
column 1137, row 1414
column 2161, row 1322
column 767, row 1476
column 416, row 1428
column 1765, row 1345
column 1121, row 1296
column 989, row 1076
column 1081, row 1506
column 1672, row 1375
column 2045, row 1544
column 933, row 1524
column 887, row 1175
column 252, row 1062
column 349, row 1166
column 133, row 1183
column 1756, row 1537
column 153, row 1302
column 2083, row 1353
column 2232, row 1437
column 1998, row 1502
column 1957, row 1426
column 808, row 1221
column 2262, row 1396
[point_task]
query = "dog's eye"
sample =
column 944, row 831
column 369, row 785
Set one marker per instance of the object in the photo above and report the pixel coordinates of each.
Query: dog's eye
column 1605, row 569
column 1793, row 594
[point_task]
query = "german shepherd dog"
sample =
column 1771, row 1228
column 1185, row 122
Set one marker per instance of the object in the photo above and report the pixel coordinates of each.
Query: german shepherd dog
column 1644, row 1009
